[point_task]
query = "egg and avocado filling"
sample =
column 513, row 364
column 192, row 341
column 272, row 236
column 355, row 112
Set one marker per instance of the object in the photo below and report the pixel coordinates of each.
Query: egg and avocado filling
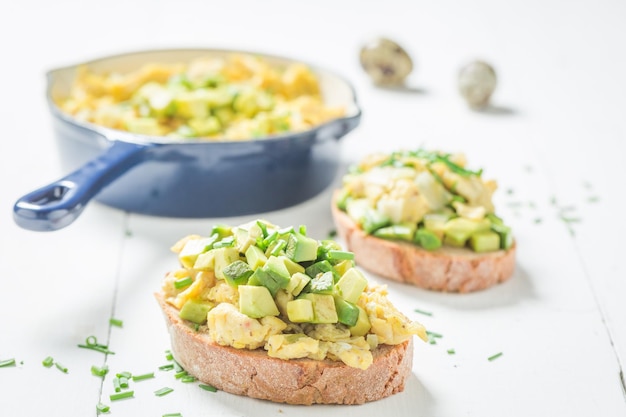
column 257, row 285
column 430, row 199
column 235, row 97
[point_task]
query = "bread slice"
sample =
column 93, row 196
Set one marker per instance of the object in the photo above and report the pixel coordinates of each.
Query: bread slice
column 298, row 381
column 445, row 269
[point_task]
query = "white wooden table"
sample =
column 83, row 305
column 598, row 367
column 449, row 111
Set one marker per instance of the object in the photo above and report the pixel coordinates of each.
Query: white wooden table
column 555, row 141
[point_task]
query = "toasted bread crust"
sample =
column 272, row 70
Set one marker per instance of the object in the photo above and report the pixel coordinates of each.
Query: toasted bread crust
column 299, row 381
column 445, row 269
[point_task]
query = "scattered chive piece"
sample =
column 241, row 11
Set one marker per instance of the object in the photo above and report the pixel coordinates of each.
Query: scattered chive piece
column 208, row 387
column 188, row 378
column 426, row 313
column 60, row 367
column 97, row 371
column 124, row 374
column 302, row 230
column 92, row 343
column 7, row 362
column 340, row 255
column 433, row 341
column 102, row 408
column 168, row 355
column 121, row 395
column 180, row 374
column 123, row 382
column 167, row 367
column 142, row 377
column 116, row 322
column 48, row 362
column 493, row 357
column 116, row 384
column 163, row 391
column 177, row 367
column 183, row 282
column 451, row 352
column 173, row 415
column 433, row 334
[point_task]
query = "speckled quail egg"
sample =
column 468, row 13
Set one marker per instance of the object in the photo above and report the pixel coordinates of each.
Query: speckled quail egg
column 386, row 62
column 476, row 82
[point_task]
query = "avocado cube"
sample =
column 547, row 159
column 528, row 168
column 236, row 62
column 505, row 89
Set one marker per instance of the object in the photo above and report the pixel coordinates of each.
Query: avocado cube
column 374, row 220
column 362, row 326
column 457, row 231
column 356, row 209
column 485, row 241
column 436, row 223
column 300, row 311
column 256, row 302
column 351, row 285
column 205, row 126
column 301, row 248
column 404, row 231
column 205, row 261
column 192, row 104
column 292, row 266
column 343, row 266
column 427, row 239
column 319, row 268
column 237, row 273
column 322, row 284
column 297, row 283
column 194, row 247
column 323, row 307
column 224, row 257
column 347, row 313
column 255, row 257
column 506, row 236
column 195, row 311
column 273, row 275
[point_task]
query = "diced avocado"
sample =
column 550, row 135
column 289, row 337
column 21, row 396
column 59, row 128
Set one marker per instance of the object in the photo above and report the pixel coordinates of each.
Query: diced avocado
column 237, row 273
column 292, row 266
column 246, row 236
column 255, row 257
column 144, row 126
column 322, row 284
column 427, row 239
column 351, row 285
column 300, row 311
column 276, row 266
column 206, row 126
column 506, row 236
column 347, row 313
column 342, row 199
column 297, row 283
column 362, row 326
column 374, row 220
column 356, row 208
column 343, row 266
column 323, row 307
column 194, row 247
column 458, row 230
column 223, row 258
column 485, row 241
column 222, row 231
column 205, row 261
column 196, row 311
column 436, row 223
column 405, row 231
column 281, row 298
column 273, row 275
column 301, row 248
column 318, row 268
column 192, row 104
column 256, row 302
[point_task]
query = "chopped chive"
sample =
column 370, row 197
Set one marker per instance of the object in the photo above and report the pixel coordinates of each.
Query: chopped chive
column 177, row 367
column 168, row 355
column 102, row 408
column 433, row 334
column 60, row 367
column 116, row 322
column 123, row 382
column 341, row 255
column 188, row 378
column 451, row 351
column 426, row 313
column 99, row 371
column 173, row 415
column 142, row 377
column 433, row 341
column 124, row 374
column 280, row 245
column 116, row 384
column 7, row 362
column 98, row 348
column 493, row 357
column 167, row 367
column 180, row 374
column 121, row 395
column 208, row 387
column 163, row 391
column 183, row 282
column 48, row 362
column 302, row 230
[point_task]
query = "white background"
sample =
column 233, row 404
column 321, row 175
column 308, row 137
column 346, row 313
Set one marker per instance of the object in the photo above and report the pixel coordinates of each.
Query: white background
column 556, row 133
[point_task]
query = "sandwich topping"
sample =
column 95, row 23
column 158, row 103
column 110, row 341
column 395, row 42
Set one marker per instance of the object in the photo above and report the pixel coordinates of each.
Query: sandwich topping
column 259, row 286
column 428, row 198
column 236, row 97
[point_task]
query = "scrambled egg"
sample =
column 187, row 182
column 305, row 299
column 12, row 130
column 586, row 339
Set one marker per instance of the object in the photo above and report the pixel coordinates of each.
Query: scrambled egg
column 236, row 97
column 281, row 337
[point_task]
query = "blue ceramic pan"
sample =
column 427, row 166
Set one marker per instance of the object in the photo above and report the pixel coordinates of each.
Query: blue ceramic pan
column 159, row 177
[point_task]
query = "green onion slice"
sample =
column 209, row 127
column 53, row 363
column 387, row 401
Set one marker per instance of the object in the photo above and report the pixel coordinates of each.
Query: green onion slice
column 163, row 391
column 121, row 395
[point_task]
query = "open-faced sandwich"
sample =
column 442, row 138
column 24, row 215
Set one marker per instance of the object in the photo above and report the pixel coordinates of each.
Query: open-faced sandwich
column 272, row 313
column 424, row 218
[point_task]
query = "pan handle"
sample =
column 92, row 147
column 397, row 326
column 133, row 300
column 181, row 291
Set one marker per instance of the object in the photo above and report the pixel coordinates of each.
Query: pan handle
column 59, row 203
